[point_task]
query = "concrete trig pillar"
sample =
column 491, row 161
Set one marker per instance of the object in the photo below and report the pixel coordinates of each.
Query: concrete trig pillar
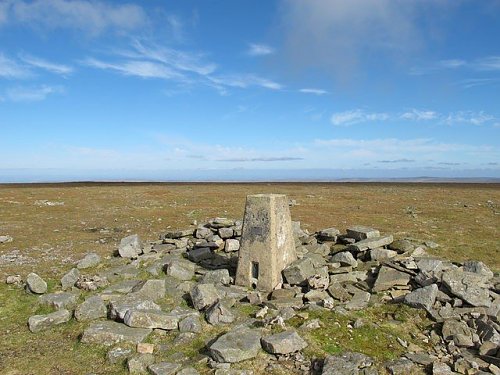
column 267, row 245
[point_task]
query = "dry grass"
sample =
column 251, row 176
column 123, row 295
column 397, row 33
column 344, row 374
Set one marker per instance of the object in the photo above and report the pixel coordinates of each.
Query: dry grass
column 48, row 239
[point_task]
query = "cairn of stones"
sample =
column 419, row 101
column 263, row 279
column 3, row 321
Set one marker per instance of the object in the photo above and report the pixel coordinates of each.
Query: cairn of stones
column 213, row 269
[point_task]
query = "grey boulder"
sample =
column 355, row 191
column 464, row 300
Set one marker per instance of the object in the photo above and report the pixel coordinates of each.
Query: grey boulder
column 37, row 323
column 92, row 308
column 35, row 284
column 216, row 277
column 59, row 300
column 345, row 258
column 90, row 260
column 69, row 280
column 236, row 346
column 349, row 363
column 283, row 343
column 203, row 296
column 468, row 286
column 219, row 313
column 130, row 247
column 422, row 298
column 109, row 333
column 388, row 278
column 163, row 368
column 150, row 319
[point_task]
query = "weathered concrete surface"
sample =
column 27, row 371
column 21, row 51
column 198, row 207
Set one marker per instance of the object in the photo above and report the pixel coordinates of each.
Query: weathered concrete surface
column 267, row 244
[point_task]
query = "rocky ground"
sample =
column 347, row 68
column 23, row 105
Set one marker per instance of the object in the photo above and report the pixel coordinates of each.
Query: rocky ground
column 170, row 306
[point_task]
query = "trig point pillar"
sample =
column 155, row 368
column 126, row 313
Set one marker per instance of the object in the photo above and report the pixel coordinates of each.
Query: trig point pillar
column 267, row 244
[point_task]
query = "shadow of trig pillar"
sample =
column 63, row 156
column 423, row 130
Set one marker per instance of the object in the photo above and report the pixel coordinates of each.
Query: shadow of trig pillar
column 267, row 244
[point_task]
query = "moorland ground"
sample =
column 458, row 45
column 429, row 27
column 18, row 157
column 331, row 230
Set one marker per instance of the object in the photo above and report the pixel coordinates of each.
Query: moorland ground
column 464, row 219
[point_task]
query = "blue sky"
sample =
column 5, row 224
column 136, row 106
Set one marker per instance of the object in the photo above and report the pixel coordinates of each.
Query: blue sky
column 157, row 89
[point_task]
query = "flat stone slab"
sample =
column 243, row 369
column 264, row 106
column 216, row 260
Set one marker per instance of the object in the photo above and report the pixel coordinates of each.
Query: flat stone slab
column 388, row 278
column 468, row 286
column 164, row 368
column 370, row 243
column 349, row 363
column 360, row 232
column 283, row 343
column 109, row 333
column 37, row 323
column 150, row 319
column 236, row 346
column 59, row 300
column 422, row 298
column 118, row 309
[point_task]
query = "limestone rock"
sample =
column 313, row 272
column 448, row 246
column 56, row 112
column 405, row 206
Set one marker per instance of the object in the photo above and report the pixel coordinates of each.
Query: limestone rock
column 91, row 283
column 345, row 258
column 400, row 366
column 219, row 314
column 164, row 368
column 299, row 271
column 152, row 289
column 69, row 280
column 359, row 300
column 468, row 286
column 35, row 284
column 422, row 298
column 6, row 239
column 283, row 343
column 379, row 254
column 176, row 234
column 190, row 324
column 109, row 333
column 370, row 243
column 37, row 323
column 130, row 247
column 118, row 354
column 92, row 308
column 349, row 363
column 216, row 277
column 138, row 363
column 188, row 371
column 180, row 269
column 118, row 309
column 388, row 278
column 59, row 300
column 226, row 233
column 90, row 260
column 203, row 296
column 236, row 346
column 16, row 280
column 329, row 234
column 199, row 254
column 479, row 268
column 150, row 319
column 231, row 245
column 360, row 232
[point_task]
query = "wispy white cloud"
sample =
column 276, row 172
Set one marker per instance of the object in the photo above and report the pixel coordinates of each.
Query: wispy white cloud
column 418, row 115
column 12, row 70
column 356, row 116
column 262, row 159
column 313, row 91
column 149, row 60
column 244, row 81
column 32, row 94
column 488, row 63
column 255, row 49
column 474, row 82
column 180, row 60
column 483, row 64
column 468, row 117
column 142, row 69
column 93, row 17
column 395, row 146
column 40, row 63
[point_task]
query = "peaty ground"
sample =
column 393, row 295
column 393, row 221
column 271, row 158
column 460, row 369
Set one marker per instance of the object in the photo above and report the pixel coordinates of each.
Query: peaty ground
column 464, row 219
